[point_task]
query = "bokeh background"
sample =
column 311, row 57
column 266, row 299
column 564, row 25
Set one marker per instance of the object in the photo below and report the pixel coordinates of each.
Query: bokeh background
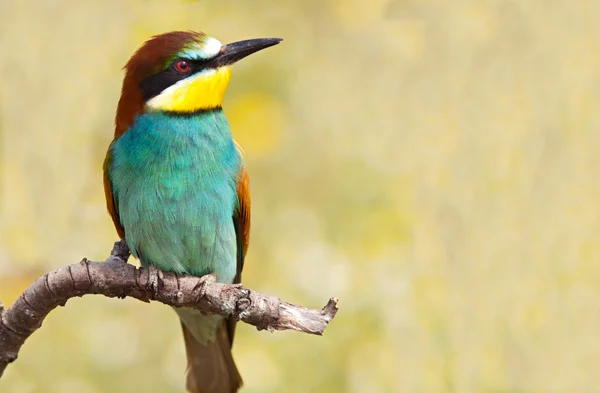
column 432, row 163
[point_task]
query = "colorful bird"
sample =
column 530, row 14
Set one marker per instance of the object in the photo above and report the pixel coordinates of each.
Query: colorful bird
column 175, row 182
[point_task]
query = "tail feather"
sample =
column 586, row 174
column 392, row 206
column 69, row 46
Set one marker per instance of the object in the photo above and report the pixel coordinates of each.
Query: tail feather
column 211, row 368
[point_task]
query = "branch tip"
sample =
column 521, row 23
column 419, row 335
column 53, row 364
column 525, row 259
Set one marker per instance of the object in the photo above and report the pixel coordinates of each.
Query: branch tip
column 331, row 308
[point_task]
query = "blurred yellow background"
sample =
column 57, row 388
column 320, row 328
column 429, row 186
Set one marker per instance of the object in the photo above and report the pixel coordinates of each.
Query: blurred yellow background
column 434, row 164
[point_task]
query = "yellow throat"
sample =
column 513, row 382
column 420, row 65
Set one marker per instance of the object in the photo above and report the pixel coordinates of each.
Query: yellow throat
column 204, row 90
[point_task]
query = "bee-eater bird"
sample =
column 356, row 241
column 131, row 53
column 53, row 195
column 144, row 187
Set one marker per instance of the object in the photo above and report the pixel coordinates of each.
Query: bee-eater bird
column 175, row 182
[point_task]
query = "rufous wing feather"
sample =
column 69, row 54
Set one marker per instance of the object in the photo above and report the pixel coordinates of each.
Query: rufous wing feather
column 241, row 222
column 108, row 194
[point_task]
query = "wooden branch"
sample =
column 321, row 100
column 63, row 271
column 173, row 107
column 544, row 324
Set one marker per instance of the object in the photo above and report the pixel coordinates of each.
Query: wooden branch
column 116, row 278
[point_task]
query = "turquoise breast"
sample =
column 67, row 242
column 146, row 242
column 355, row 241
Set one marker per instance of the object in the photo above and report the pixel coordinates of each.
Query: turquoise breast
column 174, row 180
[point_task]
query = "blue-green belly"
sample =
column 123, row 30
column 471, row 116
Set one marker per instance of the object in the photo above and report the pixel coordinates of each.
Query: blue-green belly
column 174, row 184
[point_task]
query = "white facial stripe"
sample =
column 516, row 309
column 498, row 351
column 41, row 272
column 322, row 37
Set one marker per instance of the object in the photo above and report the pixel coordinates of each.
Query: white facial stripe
column 208, row 50
column 212, row 46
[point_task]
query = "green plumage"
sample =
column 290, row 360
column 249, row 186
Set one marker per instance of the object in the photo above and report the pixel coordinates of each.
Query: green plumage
column 174, row 185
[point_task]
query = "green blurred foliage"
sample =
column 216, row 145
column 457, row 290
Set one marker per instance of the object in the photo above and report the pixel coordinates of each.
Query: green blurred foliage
column 432, row 163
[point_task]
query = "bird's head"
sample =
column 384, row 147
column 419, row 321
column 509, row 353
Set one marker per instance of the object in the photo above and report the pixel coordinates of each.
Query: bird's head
column 180, row 71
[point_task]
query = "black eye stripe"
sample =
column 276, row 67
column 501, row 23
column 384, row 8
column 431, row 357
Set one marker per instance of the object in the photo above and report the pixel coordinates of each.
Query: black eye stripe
column 155, row 84
column 195, row 65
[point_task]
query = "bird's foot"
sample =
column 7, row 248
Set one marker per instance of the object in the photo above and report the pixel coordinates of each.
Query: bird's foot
column 203, row 282
column 120, row 252
column 155, row 278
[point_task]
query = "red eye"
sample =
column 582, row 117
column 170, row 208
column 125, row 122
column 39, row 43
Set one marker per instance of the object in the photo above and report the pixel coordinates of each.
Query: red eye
column 182, row 66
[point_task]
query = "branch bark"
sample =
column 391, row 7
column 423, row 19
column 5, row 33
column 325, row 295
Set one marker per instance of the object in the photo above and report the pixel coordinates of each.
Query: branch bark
column 116, row 278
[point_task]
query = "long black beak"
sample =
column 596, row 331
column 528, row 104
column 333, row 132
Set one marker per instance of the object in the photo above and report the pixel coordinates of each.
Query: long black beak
column 235, row 51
